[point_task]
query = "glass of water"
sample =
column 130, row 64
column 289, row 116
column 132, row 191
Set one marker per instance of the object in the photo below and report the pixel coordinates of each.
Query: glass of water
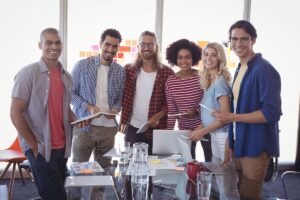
column 203, row 185
column 124, row 152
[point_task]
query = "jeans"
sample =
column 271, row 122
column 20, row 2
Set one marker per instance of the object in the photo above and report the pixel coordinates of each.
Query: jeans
column 206, row 146
column 49, row 177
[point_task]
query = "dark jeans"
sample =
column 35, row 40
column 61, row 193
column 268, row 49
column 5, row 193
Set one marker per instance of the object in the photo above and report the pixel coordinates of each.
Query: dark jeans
column 206, row 146
column 49, row 176
column 132, row 137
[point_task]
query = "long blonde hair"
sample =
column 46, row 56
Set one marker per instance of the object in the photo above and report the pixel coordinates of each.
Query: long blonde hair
column 206, row 79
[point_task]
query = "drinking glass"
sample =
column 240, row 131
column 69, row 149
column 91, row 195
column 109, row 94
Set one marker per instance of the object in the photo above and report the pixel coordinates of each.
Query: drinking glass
column 139, row 176
column 124, row 152
column 203, row 185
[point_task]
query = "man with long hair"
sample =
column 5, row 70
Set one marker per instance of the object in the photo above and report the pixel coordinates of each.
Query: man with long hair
column 144, row 92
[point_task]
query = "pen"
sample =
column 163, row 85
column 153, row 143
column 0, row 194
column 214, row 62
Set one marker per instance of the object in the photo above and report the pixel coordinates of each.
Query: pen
column 204, row 106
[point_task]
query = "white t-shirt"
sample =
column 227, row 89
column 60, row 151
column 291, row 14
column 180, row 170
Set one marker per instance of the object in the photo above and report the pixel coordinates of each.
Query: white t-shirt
column 144, row 88
column 102, row 98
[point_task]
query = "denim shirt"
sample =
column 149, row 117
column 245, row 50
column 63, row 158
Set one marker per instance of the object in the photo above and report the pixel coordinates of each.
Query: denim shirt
column 259, row 90
column 84, row 76
column 219, row 88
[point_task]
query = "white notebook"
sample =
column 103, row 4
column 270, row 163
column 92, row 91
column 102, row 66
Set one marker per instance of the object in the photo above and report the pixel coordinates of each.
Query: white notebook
column 78, row 181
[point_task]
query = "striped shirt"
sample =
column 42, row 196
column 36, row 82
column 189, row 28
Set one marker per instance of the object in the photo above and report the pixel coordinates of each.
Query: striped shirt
column 182, row 95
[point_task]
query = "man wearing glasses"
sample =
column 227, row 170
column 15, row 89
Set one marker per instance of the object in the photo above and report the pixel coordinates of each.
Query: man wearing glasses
column 144, row 93
column 255, row 112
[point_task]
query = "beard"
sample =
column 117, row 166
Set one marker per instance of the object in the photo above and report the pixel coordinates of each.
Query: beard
column 148, row 56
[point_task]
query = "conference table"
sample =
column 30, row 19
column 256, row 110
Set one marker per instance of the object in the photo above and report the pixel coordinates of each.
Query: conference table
column 115, row 183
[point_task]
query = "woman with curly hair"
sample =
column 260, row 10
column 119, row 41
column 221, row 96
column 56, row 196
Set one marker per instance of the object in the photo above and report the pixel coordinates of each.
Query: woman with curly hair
column 183, row 90
column 215, row 80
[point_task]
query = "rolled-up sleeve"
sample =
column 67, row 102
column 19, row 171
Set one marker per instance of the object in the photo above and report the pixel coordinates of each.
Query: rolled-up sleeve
column 270, row 94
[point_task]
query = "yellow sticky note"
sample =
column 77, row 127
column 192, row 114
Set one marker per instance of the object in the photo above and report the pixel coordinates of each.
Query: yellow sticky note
column 154, row 161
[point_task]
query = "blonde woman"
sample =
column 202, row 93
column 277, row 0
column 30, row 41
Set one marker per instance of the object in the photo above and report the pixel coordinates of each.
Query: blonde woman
column 215, row 80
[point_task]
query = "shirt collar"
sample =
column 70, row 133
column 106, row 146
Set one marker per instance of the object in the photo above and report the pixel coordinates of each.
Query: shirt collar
column 43, row 67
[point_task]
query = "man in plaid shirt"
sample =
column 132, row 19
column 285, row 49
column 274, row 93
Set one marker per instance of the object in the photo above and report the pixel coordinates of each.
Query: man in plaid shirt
column 98, row 86
column 144, row 97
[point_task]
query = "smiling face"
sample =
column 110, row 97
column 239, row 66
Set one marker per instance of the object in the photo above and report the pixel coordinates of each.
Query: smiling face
column 51, row 46
column 147, row 47
column 210, row 59
column 109, row 48
column 184, row 59
column 242, row 44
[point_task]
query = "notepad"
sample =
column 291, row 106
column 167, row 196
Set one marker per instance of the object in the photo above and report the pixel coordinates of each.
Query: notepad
column 97, row 114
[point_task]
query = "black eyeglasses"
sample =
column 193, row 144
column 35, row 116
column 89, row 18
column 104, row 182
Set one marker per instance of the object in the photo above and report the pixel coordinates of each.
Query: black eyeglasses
column 150, row 45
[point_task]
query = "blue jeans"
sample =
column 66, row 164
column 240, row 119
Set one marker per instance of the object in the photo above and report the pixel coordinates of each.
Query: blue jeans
column 49, row 176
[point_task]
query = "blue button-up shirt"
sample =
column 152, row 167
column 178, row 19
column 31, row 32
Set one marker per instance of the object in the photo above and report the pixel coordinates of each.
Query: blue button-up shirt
column 84, row 76
column 259, row 90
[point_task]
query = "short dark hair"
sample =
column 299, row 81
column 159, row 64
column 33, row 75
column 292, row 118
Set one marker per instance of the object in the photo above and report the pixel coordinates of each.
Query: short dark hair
column 111, row 32
column 247, row 26
column 48, row 30
column 175, row 47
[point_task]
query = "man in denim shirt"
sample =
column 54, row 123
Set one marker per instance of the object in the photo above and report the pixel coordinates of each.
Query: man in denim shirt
column 256, row 110
column 98, row 86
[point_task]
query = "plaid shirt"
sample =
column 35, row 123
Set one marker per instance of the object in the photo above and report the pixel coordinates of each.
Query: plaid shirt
column 157, row 101
column 85, row 80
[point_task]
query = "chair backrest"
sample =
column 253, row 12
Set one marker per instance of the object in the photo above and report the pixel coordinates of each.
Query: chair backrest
column 291, row 182
column 272, row 170
column 15, row 145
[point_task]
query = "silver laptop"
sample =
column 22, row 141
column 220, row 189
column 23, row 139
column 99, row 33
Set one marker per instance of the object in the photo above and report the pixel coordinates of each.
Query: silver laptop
column 165, row 142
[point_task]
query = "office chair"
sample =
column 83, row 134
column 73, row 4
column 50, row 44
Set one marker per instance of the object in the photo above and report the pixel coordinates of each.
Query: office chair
column 12, row 155
column 272, row 170
column 291, row 182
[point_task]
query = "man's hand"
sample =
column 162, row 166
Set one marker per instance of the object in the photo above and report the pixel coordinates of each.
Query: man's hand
column 34, row 148
column 83, row 123
column 93, row 109
column 223, row 117
column 79, row 124
column 122, row 128
column 112, row 111
column 154, row 120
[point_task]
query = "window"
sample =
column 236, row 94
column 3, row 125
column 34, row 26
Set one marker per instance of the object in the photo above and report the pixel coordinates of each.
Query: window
column 278, row 41
column 200, row 21
column 86, row 25
column 20, row 33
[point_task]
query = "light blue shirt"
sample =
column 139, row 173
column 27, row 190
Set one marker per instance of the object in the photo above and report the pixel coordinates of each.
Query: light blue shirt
column 219, row 88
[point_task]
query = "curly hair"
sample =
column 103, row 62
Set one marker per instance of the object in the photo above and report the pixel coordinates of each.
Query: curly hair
column 111, row 32
column 206, row 79
column 175, row 47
